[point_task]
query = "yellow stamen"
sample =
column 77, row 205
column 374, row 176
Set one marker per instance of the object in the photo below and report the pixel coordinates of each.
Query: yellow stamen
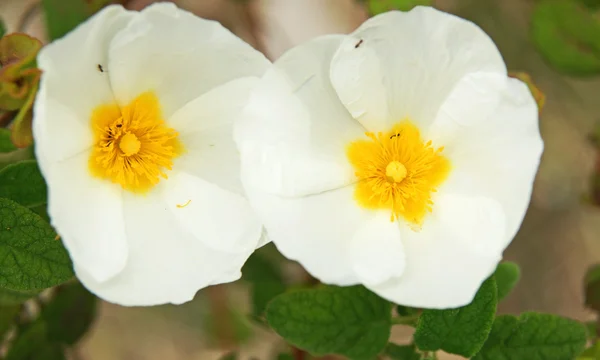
column 397, row 171
column 181, row 206
column 133, row 147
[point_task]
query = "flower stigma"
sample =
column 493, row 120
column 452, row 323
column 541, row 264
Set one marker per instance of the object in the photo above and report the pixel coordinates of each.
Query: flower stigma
column 133, row 147
column 397, row 171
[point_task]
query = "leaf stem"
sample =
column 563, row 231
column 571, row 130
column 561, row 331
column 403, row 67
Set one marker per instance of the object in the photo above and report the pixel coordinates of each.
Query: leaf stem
column 405, row 320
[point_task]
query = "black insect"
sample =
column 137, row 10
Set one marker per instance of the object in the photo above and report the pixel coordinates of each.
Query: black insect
column 100, row 68
column 358, row 44
column 393, row 136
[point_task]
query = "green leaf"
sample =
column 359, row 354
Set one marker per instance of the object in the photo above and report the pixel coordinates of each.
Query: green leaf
column 350, row 321
column 592, row 353
column 533, row 336
column 33, row 344
column 31, row 257
column 70, row 313
column 23, row 183
column 8, row 315
column 266, row 282
column 63, row 16
column 406, row 311
column 592, row 288
column 285, row 357
column 507, row 275
column 592, row 4
column 6, row 144
column 2, row 28
column 381, row 6
column 460, row 331
column 568, row 36
column 402, row 352
column 12, row 297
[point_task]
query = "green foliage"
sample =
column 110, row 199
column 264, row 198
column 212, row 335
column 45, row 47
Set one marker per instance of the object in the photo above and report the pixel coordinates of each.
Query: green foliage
column 69, row 314
column 568, row 36
column 402, row 352
column 12, row 297
column 507, row 275
column 6, row 144
column 2, row 28
column 266, row 282
column 533, row 336
column 63, row 16
column 32, row 258
column 592, row 4
column 592, row 353
column 592, row 288
column 32, row 344
column 285, row 357
column 349, row 321
column 406, row 311
column 23, row 183
column 461, row 331
column 8, row 314
column 380, row 6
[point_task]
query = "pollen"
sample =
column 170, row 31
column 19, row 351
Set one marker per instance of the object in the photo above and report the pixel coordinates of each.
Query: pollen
column 398, row 171
column 133, row 147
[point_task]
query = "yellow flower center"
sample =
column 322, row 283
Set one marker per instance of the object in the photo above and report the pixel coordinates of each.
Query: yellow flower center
column 133, row 147
column 397, row 171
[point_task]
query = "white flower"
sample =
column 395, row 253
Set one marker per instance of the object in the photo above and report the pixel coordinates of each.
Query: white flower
column 133, row 130
column 400, row 156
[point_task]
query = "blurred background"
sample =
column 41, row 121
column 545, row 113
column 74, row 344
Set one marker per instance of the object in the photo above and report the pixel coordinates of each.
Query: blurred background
column 557, row 243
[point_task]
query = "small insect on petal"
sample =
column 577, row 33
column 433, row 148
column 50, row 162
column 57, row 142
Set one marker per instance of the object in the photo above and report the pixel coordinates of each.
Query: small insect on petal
column 358, row 44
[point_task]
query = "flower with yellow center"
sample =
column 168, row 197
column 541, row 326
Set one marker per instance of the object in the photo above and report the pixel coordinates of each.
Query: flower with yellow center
column 400, row 157
column 133, row 131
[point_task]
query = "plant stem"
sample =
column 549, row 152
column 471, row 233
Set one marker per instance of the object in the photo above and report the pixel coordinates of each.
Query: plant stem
column 405, row 320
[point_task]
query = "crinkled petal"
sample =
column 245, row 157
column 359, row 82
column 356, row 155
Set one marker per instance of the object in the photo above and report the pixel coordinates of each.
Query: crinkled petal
column 205, row 126
column 177, row 55
column 222, row 220
column 294, row 132
column 73, row 85
column 401, row 65
column 88, row 215
column 316, row 231
column 494, row 145
column 167, row 263
column 376, row 251
column 449, row 258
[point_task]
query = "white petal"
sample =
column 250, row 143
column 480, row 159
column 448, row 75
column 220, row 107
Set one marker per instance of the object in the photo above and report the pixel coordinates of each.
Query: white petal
column 220, row 219
column 167, row 264
column 447, row 260
column 407, row 64
column 494, row 150
column 294, row 131
column 205, row 126
column 88, row 215
column 177, row 55
column 316, row 231
column 72, row 85
column 376, row 250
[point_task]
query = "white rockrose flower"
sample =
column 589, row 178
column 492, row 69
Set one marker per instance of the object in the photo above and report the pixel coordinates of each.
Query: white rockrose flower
column 133, row 131
column 400, row 156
